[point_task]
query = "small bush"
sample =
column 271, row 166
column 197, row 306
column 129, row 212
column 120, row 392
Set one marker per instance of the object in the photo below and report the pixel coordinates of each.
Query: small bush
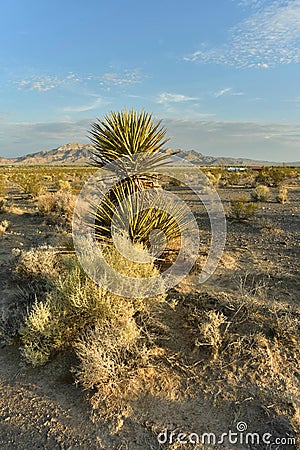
column 4, row 224
column 57, row 206
column 109, row 355
column 272, row 176
column 282, row 196
column 77, row 304
column 63, row 186
column 2, row 205
column 261, row 193
column 30, row 183
column 40, row 263
column 242, row 209
column 211, row 333
column 214, row 177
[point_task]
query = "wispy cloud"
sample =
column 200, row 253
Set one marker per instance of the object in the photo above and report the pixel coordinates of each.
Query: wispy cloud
column 83, row 108
column 43, row 84
column 122, row 78
column 166, row 97
column 222, row 92
column 270, row 36
column 108, row 79
column 47, row 83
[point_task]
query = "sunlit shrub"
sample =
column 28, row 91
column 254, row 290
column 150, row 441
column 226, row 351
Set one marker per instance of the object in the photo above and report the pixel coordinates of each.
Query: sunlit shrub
column 261, row 193
column 242, row 209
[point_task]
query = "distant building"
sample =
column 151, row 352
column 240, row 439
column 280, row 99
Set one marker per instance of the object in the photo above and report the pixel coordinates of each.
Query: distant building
column 256, row 168
column 236, row 169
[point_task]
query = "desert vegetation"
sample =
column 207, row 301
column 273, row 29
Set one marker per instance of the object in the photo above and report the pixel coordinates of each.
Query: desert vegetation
column 197, row 358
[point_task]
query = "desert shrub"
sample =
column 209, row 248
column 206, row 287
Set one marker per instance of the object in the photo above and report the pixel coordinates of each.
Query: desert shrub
column 282, row 196
column 3, row 189
column 58, row 206
column 77, row 304
column 4, row 224
column 63, row 186
column 214, row 177
column 261, row 193
column 242, row 209
column 35, row 271
column 2, row 205
column 272, row 176
column 40, row 264
column 211, row 331
column 32, row 184
column 109, row 355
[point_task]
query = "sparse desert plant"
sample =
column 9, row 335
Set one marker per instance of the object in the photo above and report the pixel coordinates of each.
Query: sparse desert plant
column 272, row 176
column 4, row 224
column 75, row 305
column 214, row 177
column 58, row 206
column 3, row 189
column 282, row 196
column 38, row 263
column 109, row 356
column 63, row 186
column 2, row 205
column 211, row 332
column 242, row 209
column 261, row 193
column 32, row 183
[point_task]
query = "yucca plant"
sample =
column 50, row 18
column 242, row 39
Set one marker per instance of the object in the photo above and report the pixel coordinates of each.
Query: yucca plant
column 124, row 134
column 129, row 143
column 136, row 215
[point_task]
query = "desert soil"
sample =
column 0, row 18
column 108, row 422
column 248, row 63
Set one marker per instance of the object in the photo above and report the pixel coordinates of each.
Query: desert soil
column 42, row 408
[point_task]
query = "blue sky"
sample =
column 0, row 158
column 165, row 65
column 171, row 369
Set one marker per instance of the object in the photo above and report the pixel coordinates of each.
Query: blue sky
column 223, row 75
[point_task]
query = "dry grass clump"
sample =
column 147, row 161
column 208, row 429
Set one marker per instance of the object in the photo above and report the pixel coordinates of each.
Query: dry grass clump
column 58, row 206
column 261, row 193
column 282, row 196
column 211, row 331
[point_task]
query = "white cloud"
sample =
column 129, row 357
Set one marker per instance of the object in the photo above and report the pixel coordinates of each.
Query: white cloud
column 43, row 84
column 119, row 79
column 83, row 108
column 222, row 92
column 269, row 37
column 108, row 79
column 47, row 83
column 167, row 97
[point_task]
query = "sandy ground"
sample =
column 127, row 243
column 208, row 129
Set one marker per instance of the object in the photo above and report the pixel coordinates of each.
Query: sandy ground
column 43, row 409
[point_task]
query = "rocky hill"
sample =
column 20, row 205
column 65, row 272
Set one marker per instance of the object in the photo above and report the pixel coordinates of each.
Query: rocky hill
column 75, row 153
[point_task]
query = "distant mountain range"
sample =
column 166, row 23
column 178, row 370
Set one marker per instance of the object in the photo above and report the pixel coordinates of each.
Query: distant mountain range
column 75, row 153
